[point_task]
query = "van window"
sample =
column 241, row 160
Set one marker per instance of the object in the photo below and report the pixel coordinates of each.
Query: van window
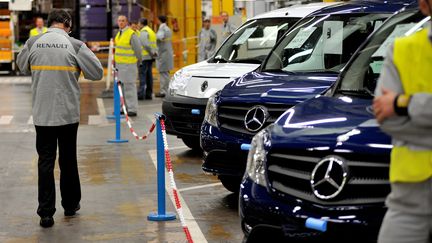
column 253, row 40
column 323, row 43
column 362, row 75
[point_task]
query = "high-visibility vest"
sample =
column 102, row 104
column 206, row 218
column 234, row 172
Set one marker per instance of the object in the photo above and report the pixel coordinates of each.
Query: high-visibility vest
column 35, row 31
column 124, row 54
column 412, row 57
column 152, row 39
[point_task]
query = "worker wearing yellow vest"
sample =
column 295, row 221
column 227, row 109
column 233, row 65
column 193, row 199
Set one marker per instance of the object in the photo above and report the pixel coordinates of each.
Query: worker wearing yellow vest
column 127, row 56
column 149, row 53
column 39, row 29
column 403, row 107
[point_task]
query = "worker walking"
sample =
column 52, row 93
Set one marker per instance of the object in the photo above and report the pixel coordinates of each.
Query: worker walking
column 228, row 28
column 207, row 41
column 403, row 107
column 55, row 61
column 39, row 29
column 165, row 61
column 127, row 56
column 149, row 53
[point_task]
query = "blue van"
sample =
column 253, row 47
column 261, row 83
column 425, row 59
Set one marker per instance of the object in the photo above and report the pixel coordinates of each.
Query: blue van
column 321, row 170
column 303, row 64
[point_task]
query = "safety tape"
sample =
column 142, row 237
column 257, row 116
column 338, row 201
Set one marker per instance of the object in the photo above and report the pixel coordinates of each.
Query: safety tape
column 173, row 184
column 131, row 129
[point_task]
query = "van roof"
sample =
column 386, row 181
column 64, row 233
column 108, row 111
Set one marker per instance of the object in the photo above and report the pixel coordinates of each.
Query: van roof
column 296, row 11
column 369, row 6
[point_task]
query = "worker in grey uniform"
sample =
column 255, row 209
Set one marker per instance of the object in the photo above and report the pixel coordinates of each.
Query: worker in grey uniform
column 228, row 28
column 165, row 60
column 55, row 61
column 149, row 53
column 127, row 56
column 403, row 107
column 207, row 41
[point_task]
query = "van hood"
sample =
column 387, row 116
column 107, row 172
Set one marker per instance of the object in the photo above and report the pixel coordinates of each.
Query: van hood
column 341, row 124
column 208, row 78
column 281, row 87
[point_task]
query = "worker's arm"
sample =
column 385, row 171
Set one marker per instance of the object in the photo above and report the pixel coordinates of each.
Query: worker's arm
column 89, row 63
column 23, row 60
column 136, row 46
column 144, row 38
column 213, row 35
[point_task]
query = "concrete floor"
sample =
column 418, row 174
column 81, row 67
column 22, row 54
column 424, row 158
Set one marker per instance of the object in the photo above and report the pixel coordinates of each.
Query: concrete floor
column 118, row 180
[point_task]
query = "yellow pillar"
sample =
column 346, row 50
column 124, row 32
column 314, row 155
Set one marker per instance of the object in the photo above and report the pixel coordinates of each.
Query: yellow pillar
column 222, row 5
column 330, row 0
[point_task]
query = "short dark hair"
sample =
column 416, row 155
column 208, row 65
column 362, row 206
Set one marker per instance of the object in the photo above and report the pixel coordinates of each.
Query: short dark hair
column 163, row 18
column 144, row 21
column 59, row 16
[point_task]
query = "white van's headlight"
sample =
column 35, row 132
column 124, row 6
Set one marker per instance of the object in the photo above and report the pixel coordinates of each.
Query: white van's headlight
column 257, row 157
column 179, row 81
column 211, row 111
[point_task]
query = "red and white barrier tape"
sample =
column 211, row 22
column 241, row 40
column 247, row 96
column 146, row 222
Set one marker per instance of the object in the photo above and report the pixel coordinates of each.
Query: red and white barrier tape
column 132, row 130
column 167, row 159
column 173, row 184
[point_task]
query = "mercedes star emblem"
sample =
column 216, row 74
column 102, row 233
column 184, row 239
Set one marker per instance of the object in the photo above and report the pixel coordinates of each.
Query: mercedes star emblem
column 329, row 177
column 204, row 86
column 255, row 118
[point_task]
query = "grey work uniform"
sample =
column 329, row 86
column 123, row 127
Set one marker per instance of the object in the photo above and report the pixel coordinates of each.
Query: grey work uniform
column 128, row 75
column 227, row 30
column 165, row 60
column 409, row 215
column 55, row 62
column 207, row 44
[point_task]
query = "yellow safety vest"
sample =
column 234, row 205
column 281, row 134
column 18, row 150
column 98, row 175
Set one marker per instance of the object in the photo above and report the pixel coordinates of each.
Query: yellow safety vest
column 35, row 31
column 124, row 54
column 152, row 39
column 413, row 59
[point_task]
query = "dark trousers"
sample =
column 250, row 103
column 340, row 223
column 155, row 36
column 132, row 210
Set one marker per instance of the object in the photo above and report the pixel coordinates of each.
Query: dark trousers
column 47, row 139
column 146, row 79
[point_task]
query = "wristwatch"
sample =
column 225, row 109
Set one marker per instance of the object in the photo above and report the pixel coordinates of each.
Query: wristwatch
column 401, row 103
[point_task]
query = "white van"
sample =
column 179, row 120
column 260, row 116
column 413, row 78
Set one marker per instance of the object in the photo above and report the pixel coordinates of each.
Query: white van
column 242, row 52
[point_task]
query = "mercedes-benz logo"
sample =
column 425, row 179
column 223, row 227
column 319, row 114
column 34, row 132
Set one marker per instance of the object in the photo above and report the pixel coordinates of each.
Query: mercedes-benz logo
column 329, row 177
column 204, row 86
column 255, row 118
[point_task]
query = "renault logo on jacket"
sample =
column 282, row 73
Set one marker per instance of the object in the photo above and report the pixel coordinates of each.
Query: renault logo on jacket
column 329, row 177
column 255, row 118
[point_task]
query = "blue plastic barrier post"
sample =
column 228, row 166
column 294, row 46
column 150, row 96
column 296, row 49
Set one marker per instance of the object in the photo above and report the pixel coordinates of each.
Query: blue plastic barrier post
column 116, row 100
column 161, row 214
column 117, row 116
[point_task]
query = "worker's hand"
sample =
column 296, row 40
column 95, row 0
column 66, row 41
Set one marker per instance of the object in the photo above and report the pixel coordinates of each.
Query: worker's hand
column 384, row 105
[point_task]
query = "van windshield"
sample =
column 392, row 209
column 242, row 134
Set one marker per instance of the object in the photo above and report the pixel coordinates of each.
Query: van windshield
column 253, row 40
column 323, row 43
column 362, row 74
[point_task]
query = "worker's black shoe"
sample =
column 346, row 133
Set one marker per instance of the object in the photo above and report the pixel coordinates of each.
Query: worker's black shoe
column 141, row 97
column 131, row 114
column 46, row 222
column 72, row 212
column 148, row 98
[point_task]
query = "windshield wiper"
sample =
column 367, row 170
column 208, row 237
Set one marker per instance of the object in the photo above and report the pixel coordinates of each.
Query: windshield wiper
column 357, row 92
column 247, row 60
column 220, row 59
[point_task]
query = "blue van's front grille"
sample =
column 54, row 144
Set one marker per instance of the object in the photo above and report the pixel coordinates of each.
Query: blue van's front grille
column 231, row 116
column 289, row 175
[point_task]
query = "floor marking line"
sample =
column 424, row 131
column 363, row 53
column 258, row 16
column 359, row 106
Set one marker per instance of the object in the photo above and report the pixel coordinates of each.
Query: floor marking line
column 193, row 226
column 200, row 187
column 5, row 120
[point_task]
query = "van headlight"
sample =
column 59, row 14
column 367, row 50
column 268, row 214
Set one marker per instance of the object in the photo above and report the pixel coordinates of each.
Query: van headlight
column 211, row 111
column 179, row 81
column 257, row 157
